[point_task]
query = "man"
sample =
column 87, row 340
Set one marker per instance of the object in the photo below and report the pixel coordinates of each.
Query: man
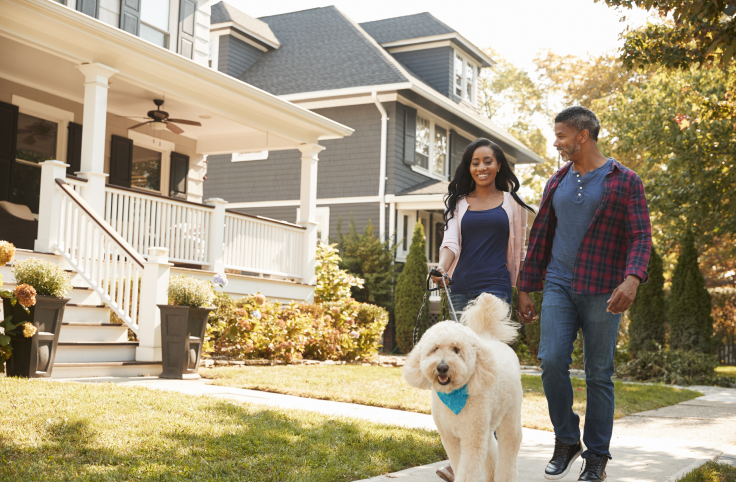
column 590, row 243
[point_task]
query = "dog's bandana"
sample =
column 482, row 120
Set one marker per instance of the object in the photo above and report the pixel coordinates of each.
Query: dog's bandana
column 456, row 399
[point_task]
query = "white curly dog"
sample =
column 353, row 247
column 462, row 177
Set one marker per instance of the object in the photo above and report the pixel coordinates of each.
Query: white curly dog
column 470, row 365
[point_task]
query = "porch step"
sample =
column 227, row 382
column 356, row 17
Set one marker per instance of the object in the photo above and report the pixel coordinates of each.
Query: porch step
column 106, row 369
column 95, row 351
column 83, row 313
column 92, row 331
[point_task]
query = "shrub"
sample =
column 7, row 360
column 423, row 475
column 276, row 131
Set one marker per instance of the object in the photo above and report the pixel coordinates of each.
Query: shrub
column 333, row 283
column 691, row 326
column 724, row 313
column 675, row 367
column 47, row 278
column 648, row 312
column 410, row 288
column 190, row 291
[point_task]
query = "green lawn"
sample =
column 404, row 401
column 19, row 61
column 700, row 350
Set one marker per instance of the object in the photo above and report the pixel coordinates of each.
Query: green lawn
column 383, row 387
column 104, row 432
column 727, row 371
column 711, row 472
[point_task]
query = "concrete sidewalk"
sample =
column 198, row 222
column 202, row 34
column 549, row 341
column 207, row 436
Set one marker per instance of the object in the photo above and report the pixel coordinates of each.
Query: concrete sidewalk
column 655, row 446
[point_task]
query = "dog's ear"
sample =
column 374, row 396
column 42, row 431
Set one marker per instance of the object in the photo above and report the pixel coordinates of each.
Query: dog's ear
column 412, row 372
column 485, row 370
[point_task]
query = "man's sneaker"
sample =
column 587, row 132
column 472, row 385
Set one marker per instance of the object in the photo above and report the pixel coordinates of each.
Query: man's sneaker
column 594, row 469
column 562, row 459
column 446, row 474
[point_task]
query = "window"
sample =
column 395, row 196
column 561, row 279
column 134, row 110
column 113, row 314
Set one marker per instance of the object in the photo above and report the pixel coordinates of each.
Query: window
column 37, row 139
column 464, row 78
column 155, row 22
column 431, row 148
column 146, row 169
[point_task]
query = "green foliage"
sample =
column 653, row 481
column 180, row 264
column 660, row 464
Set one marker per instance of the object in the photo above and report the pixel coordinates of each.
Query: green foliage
column 711, row 472
column 333, row 283
column 691, row 326
column 410, row 288
column 47, row 278
column 723, row 312
column 675, row 367
column 190, row 291
column 648, row 312
column 367, row 258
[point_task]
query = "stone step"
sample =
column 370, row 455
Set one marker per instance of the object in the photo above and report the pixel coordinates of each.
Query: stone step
column 95, row 351
column 106, row 369
column 92, row 331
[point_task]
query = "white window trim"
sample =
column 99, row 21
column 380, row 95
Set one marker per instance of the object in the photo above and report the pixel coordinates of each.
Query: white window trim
column 476, row 67
column 324, row 224
column 249, row 156
column 53, row 114
column 432, row 124
column 165, row 148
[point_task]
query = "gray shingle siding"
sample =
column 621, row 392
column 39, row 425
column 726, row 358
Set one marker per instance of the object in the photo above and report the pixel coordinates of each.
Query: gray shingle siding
column 434, row 66
column 274, row 179
column 236, row 56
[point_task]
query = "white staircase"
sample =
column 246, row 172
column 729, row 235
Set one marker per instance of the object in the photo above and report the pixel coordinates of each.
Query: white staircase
column 89, row 345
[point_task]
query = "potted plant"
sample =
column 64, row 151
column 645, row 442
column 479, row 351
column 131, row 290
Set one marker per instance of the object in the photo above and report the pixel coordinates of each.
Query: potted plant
column 183, row 325
column 37, row 305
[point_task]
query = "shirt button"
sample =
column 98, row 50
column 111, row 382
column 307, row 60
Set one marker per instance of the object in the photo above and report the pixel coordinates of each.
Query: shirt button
column 581, row 187
column 579, row 194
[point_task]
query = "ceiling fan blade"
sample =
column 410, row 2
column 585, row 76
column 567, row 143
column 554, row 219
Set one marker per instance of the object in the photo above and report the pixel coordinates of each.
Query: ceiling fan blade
column 174, row 128
column 186, row 122
column 132, row 117
column 138, row 125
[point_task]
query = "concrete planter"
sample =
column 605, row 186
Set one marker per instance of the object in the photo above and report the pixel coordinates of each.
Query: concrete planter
column 34, row 357
column 182, row 336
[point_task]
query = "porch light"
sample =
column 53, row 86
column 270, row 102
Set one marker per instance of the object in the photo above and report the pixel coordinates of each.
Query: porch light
column 158, row 126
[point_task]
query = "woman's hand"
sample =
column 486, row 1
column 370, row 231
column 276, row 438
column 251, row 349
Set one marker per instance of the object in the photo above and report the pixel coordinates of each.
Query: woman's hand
column 440, row 281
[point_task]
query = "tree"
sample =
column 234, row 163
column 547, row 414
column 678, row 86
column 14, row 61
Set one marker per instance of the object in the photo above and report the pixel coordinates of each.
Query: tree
column 365, row 256
column 648, row 312
column 691, row 326
column 410, row 288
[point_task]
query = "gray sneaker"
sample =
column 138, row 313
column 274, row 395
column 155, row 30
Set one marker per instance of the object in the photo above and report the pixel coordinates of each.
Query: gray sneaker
column 446, row 474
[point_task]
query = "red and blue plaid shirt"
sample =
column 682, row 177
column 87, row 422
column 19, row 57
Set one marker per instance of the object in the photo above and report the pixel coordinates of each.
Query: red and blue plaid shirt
column 617, row 242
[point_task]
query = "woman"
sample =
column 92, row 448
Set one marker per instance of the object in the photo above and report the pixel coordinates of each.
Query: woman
column 485, row 226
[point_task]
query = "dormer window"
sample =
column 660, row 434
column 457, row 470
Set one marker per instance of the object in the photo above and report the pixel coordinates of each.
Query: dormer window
column 464, row 78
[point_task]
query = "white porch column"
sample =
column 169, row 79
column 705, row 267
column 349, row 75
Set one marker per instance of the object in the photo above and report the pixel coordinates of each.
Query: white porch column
column 216, row 236
column 154, row 291
column 48, row 206
column 308, row 208
column 94, row 133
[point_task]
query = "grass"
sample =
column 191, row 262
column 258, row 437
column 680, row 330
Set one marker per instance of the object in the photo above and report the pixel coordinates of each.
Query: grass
column 711, row 472
column 104, row 432
column 726, row 371
column 383, row 387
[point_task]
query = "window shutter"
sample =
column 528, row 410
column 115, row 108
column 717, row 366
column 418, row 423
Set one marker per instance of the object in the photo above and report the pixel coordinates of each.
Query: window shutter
column 89, row 7
column 74, row 148
column 187, row 9
column 179, row 174
column 410, row 134
column 121, row 161
column 130, row 16
column 8, row 137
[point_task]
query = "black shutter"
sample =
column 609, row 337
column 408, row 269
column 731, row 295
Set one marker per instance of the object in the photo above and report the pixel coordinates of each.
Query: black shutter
column 121, row 161
column 8, row 137
column 178, row 177
column 410, row 134
column 89, row 7
column 130, row 16
column 187, row 9
column 74, row 149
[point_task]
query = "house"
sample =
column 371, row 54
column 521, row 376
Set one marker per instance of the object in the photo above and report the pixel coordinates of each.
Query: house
column 108, row 112
column 407, row 85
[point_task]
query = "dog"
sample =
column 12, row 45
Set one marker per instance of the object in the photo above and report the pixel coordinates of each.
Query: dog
column 471, row 366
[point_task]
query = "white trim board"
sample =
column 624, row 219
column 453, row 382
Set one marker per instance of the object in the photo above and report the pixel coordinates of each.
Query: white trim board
column 297, row 202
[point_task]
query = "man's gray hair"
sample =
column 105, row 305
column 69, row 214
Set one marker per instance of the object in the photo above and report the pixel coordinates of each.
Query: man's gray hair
column 579, row 118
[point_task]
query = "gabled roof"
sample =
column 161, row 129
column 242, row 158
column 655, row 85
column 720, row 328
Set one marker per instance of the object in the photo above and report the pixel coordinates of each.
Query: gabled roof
column 223, row 13
column 322, row 49
column 406, row 27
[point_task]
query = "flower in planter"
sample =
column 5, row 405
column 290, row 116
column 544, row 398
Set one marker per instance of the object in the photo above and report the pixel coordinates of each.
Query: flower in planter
column 28, row 330
column 7, row 252
column 26, row 295
column 220, row 279
column 47, row 278
column 190, row 291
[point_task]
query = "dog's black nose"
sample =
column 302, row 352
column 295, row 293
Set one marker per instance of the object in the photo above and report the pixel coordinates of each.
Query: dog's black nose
column 442, row 368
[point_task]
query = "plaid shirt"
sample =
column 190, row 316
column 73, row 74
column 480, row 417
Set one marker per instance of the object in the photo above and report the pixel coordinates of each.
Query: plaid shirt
column 617, row 242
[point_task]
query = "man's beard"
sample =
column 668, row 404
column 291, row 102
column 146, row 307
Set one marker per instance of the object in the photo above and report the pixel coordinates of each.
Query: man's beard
column 568, row 151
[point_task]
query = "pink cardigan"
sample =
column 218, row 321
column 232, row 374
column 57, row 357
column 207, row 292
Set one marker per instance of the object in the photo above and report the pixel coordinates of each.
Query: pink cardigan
column 517, row 234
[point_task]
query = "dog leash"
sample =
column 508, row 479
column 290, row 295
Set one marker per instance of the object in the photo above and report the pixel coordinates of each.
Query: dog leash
column 448, row 282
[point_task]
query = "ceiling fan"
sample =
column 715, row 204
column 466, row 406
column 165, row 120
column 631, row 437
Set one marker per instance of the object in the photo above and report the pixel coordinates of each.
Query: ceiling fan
column 160, row 120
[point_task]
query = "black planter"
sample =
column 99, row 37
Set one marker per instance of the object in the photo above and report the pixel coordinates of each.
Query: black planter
column 182, row 335
column 34, row 357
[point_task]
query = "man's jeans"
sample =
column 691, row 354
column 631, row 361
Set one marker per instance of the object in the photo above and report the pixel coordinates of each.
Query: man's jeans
column 461, row 300
column 563, row 314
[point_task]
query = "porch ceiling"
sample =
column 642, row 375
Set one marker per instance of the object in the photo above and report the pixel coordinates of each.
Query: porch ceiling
column 43, row 42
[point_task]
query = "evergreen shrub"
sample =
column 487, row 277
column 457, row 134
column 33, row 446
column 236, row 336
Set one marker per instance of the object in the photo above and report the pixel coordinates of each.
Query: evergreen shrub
column 648, row 312
column 675, row 367
column 410, row 287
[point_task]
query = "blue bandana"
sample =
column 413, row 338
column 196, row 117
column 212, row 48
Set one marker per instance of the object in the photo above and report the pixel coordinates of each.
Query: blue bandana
column 456, row 399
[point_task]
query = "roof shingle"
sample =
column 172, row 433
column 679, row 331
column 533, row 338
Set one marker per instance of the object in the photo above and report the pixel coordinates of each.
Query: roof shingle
column 406, row 27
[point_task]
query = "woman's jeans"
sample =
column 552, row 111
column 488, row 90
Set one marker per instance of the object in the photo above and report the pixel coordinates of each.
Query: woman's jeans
column 460, row 300
column 563, row 314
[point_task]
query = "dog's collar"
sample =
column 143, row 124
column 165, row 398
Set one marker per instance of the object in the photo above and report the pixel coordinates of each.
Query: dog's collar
column 456, row 399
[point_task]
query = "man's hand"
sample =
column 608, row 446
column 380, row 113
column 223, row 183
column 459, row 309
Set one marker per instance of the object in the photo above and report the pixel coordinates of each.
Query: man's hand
column 525, row 310
column 623, row 295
